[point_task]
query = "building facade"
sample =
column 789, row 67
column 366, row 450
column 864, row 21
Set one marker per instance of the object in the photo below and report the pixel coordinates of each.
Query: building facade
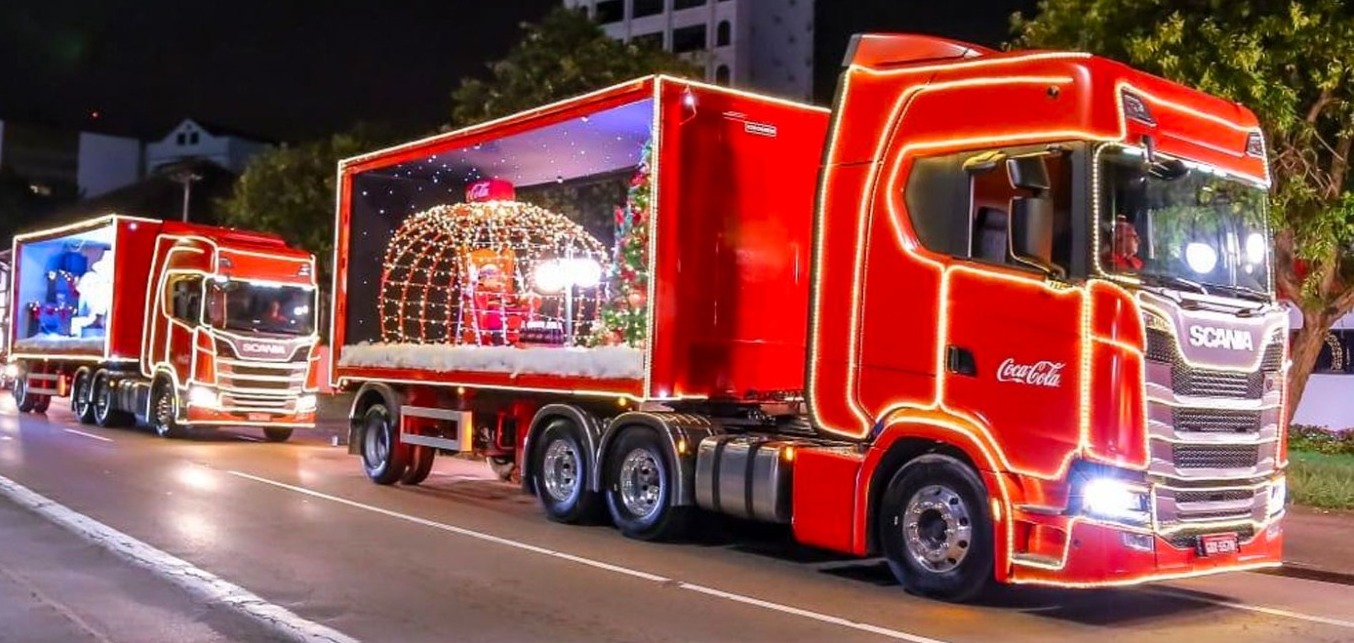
column 760, row 45
column 191, row 140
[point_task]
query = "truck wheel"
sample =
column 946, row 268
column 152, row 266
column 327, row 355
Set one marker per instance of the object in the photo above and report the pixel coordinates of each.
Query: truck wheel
column 639, row 485
column 104, row 414
column 22, row 399
column 420, row 465
column 164, row 407
column 82, row 402
column 559, row 474
column 41, row 403
column 277, row 433
column 383, row 457
column 936, row 529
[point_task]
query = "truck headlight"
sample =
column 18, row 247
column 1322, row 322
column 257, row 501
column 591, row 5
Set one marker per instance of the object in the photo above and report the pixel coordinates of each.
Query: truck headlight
column 306, row 403
column 1114, row 499
column 204, row 397
column 1278, row 495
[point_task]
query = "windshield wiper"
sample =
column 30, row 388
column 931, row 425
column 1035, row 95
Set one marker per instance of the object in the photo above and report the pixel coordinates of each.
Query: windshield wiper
column 1243, row 291
column 1162, row 279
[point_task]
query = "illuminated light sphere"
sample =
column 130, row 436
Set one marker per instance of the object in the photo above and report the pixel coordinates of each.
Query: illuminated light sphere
column 1201, row 257
column 491, row 272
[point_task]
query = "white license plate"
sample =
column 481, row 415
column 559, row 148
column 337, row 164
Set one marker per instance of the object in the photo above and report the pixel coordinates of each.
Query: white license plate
column 1218, row 544
column 259, row 417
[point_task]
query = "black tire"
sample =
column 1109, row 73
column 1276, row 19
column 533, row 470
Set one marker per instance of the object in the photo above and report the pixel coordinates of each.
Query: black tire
column 277, row 433
column 82, row 399
column 41, row 404
column 640, row 476
column 22, row 399
column 164, row 411
column 952, row 557
column 384, row 458
column 420, row 465
column 560, row 474
column 105, row 415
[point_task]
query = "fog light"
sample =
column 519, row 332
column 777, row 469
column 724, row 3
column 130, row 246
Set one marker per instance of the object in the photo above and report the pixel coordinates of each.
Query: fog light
column 306, row 403
column 1139, row 542
column 204, row 397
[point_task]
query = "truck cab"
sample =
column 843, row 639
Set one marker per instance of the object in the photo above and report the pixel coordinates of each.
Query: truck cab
column 169, row 324
column 232, row 326
column 1060, row 267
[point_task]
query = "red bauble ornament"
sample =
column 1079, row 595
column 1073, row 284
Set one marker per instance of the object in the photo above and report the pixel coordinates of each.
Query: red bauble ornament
column 636, row 299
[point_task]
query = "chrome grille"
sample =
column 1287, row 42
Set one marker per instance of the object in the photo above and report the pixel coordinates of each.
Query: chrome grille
column 1207, row 383
column 1160, row 346
column 1216, row 495
column 1216, row 420
column 1273, row 359
column 1215, row 456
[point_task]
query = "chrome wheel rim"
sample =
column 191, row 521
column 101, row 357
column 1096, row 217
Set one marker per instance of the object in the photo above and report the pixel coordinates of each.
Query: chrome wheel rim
column 164, row 412
column 80, row 396
column 641, row 483
column 937, row 528
column 560, row 470
column 103, row 399
column 376, row 442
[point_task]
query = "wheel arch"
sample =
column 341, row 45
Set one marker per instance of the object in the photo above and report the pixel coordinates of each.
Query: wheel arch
column 682, row 433
column 905, row 440
column 588, row 424
column 369, row 394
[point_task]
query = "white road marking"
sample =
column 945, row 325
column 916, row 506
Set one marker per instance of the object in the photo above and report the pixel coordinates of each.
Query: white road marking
column 88, row 435
column 248, row 438
column 197, row 581
column 708, row 591
column 1272, row 611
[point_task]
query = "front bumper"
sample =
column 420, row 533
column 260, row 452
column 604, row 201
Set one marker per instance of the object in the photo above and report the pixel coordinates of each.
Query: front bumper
column 1096, row 554
column 203, row 416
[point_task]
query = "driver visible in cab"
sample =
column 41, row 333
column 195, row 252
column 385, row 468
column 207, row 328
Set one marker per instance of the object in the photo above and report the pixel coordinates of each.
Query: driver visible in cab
column 1123, row 255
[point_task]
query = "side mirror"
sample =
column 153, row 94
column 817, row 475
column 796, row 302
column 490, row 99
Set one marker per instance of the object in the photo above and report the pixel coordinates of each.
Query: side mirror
column 1031, row 232
column 1029, row 173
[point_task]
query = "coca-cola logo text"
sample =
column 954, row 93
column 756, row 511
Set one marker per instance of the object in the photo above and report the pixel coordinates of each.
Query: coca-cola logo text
column 479, row 191
column 1041, row 373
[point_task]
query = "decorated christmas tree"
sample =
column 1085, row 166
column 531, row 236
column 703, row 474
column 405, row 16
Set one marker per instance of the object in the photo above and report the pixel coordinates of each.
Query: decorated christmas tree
column 625, row 316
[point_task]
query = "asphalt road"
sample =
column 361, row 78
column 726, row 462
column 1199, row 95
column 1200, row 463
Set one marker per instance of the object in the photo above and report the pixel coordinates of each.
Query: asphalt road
column 466, row 558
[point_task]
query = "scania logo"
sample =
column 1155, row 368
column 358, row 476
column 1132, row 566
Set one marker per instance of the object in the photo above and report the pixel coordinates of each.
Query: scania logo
column 257, row 348
column 1231, row 338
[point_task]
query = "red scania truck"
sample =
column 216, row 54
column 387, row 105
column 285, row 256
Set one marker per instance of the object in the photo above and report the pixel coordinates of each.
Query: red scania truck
column 169, row 324
column 996, row 316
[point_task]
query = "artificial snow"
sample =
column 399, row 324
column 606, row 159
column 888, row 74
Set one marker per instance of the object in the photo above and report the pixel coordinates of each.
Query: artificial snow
column 47, row 343
column 603, row 362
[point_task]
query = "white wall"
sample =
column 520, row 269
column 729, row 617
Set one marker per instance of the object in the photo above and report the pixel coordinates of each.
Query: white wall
column 107, row 163
column 169, row 149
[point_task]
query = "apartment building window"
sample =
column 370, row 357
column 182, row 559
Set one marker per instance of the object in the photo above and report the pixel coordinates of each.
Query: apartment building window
column 642, row 8
column 687, row 4
column 609, row 11
column 688, row 39
column 193, row 138
column 723, row 34
column 648, row 41
column 722, row 74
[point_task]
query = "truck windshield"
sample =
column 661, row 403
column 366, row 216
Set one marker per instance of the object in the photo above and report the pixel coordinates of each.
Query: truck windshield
column 1182, row 225
column 254, row 307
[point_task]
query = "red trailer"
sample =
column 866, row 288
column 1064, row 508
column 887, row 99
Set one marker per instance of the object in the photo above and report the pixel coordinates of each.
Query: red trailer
column 170, row 324
column 996, row 316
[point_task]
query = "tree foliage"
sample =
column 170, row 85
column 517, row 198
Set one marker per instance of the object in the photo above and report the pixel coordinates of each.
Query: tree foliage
column 1289, row 61
column 563, row 55
column 290, row 191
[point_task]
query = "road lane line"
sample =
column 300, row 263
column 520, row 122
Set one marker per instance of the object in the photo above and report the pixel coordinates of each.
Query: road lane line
column 197, row 581
column 708, row 591
column 1272, row 611
column 88, row 435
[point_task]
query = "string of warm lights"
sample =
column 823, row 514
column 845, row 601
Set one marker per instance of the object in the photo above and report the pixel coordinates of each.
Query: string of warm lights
column 470, row 273
column 625, row 316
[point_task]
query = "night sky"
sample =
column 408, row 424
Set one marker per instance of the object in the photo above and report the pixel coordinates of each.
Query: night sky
column 293, row 69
